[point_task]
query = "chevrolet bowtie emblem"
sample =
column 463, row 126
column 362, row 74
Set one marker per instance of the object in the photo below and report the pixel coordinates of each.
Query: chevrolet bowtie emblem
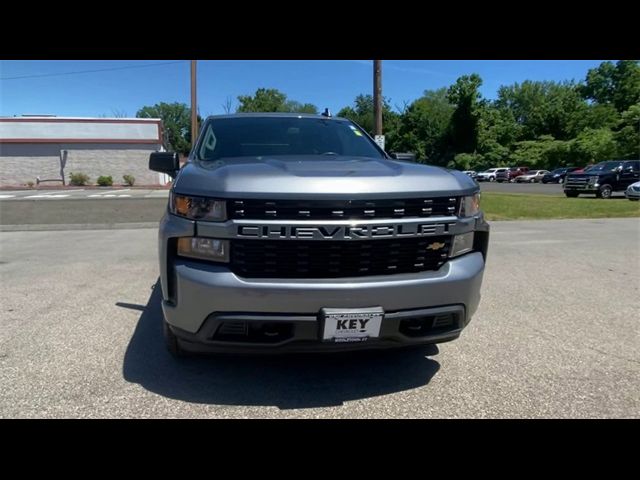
column 435, row 246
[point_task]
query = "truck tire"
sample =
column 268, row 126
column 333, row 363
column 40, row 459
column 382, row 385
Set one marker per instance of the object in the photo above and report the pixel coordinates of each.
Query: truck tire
column 492, row 179
column 604, row 191
column 571, row 194
column 171, row 341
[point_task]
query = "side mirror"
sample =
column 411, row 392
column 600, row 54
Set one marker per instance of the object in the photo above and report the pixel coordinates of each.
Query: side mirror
column 409, row 157
column 165, row 162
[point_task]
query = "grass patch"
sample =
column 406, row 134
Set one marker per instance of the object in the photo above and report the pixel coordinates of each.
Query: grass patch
column 508, row 206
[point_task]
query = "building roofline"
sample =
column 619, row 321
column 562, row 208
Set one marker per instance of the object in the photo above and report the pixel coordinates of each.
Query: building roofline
column 80, row 119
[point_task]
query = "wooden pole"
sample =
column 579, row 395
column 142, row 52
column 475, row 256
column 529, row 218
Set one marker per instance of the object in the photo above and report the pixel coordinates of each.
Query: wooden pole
column 377, row 96
column 194, row 105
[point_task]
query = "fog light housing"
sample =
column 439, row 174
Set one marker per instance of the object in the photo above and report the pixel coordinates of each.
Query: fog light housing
column 201, row 248
column 462, row 244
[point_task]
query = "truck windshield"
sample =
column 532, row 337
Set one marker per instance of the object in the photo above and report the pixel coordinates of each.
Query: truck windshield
column 277, row 136
column 604, row 167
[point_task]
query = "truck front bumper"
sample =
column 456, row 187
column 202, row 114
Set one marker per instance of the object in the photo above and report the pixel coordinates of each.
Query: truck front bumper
column 211, row 309
column 206, row 296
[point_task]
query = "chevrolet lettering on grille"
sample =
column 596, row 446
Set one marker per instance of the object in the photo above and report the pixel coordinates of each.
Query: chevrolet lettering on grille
column 340, row 232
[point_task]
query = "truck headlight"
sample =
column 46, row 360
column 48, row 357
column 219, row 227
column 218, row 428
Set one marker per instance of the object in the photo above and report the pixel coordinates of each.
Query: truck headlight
column 469, row 206
column 462, row 244
column 198, row 208
column 212, row 249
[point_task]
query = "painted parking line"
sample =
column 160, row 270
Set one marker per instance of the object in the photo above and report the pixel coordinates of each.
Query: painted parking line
column 48, row 196
column 7, row 196
column 108, row 195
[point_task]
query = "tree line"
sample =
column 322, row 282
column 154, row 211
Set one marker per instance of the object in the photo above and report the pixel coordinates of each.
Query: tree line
column 539, row 124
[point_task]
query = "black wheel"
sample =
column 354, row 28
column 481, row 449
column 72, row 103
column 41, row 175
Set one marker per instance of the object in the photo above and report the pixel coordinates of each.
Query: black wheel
column 634, row 199
column 571, row 194
column 604, row 192
column 492, row 179
column 171, row 341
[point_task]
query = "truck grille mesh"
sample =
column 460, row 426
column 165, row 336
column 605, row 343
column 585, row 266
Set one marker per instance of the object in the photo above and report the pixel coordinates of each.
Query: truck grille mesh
column 335, row 259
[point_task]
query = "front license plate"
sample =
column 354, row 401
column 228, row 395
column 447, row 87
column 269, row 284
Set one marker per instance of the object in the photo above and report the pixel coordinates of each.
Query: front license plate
column 351, row 325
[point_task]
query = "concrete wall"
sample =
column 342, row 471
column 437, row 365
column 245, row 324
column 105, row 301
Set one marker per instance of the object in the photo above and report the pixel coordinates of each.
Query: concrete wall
column 22, row 163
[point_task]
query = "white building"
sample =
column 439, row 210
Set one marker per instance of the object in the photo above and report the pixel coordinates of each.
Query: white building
column 48, row 147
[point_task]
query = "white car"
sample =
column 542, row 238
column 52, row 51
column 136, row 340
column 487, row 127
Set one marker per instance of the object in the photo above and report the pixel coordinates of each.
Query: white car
column 532, row 176
column 493, row 174
column 633, row 191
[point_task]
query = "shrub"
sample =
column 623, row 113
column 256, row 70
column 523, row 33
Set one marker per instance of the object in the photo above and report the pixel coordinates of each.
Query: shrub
column 79, row 179
column 129, row 180
column 104, row 181
column 30, row 184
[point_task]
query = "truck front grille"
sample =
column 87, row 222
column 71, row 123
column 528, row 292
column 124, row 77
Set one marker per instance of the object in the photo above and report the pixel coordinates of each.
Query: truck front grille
column 341, row 209
column 335, row 259
column 576, row 182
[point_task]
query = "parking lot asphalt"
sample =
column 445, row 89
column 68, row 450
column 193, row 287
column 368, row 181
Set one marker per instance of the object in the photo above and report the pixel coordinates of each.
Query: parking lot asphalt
column 556, row 335
column 528, row 188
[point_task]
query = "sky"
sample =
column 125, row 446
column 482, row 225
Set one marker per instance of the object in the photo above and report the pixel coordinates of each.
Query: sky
column 84, row 88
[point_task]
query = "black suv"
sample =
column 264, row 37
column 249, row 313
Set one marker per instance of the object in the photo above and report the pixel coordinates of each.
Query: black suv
column 603, row 179
column 558, row 175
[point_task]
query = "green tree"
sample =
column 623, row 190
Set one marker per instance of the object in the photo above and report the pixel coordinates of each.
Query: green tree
column 544, row 152
column 593, row 116
column 361, row 112
column 593, row 146
column 272, row 100
column 423, row 126
column 176, row 123
column 618, row 85
column 543, row 108
column 467, row 161
column 464, row 95
column 497, row 132
column 628, row 135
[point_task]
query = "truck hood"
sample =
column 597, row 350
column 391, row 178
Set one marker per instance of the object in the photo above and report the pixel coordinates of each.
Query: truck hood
column 585, row 174
column 321, row 177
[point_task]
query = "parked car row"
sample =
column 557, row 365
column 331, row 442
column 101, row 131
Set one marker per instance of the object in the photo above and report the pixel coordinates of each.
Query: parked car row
column 600, row 180
column 509, row 174
column 523, row 175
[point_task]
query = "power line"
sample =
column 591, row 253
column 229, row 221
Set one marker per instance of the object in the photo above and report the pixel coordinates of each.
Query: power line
column 92, row 71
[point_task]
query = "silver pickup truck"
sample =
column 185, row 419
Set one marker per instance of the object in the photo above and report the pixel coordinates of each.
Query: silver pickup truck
column 288, row 232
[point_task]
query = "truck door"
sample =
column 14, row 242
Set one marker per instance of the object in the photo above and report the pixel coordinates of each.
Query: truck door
column 630, row 174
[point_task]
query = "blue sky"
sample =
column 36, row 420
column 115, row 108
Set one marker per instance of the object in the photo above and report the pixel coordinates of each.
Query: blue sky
column 325, row 83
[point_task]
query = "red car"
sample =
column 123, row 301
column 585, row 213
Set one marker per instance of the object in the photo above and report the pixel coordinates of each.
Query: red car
column 516, row 172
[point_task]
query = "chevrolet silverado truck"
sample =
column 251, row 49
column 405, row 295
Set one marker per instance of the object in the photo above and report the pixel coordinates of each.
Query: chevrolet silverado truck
column 289, row 232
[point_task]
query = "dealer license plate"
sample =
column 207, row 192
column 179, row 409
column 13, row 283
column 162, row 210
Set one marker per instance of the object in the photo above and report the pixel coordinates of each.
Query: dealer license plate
column 351, row 325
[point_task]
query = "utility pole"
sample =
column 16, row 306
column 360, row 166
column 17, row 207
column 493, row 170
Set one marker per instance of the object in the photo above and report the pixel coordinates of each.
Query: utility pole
column 377, row 102
column 194, row 105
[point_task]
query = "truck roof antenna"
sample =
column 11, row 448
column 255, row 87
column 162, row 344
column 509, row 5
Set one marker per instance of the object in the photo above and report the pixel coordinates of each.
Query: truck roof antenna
column 326, row 113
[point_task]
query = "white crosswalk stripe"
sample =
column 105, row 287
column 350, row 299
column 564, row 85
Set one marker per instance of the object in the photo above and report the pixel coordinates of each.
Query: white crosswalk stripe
column 83, row 194
column 48, row 196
